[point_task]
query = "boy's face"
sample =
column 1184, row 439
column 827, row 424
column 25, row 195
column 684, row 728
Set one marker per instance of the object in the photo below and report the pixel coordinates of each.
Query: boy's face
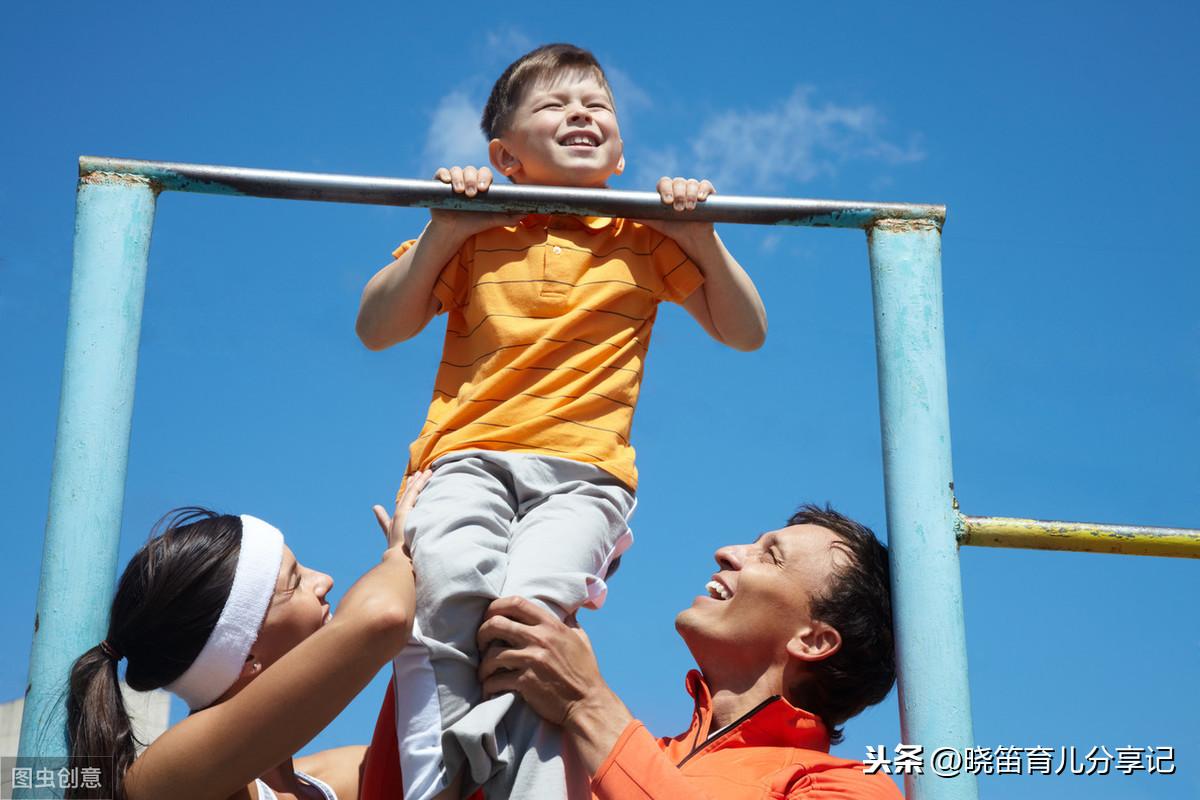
column 564, row 133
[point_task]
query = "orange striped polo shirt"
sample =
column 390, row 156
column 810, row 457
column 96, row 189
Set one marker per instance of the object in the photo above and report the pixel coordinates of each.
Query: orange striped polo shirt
column 549, row 321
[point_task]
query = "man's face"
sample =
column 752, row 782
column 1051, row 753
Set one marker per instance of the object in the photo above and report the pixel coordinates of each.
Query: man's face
column 760, row 599
column 563, row 133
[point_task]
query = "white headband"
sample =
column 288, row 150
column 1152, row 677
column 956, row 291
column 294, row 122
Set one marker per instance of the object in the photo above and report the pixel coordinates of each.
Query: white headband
column 220, row 662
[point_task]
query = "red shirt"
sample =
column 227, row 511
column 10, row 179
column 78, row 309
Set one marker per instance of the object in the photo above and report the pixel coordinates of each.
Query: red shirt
column 774, row 752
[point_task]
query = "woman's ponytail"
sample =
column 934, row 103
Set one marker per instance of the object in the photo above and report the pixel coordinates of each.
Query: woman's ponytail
column 99, row 730
column 166, row 605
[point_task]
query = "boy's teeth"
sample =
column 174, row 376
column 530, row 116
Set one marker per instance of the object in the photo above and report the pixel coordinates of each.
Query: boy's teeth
column 717, row 590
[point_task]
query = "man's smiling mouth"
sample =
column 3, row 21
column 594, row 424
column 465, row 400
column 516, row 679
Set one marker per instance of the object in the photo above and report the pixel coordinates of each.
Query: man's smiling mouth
column 717, row 590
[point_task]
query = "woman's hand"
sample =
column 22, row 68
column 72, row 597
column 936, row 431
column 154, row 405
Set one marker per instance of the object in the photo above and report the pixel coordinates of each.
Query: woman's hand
column 393, row 526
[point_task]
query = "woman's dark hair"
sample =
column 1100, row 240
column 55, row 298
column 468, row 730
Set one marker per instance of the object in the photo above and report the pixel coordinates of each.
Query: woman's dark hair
column 166, row 606
column 857, row 603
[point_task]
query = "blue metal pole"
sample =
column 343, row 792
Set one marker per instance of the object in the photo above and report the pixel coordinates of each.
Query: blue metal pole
column 935, row 708
column 113, row 218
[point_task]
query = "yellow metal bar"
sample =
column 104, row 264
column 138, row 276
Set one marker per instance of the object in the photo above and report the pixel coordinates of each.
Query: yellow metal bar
column 1087, row 537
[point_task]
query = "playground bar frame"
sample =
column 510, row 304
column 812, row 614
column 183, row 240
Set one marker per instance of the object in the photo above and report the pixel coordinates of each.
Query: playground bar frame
column 114, row 216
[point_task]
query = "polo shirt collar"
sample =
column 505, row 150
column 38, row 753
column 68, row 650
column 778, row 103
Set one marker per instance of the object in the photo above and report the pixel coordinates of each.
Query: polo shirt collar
column 594, row 224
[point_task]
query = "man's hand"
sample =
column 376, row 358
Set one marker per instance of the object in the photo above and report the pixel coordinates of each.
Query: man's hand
column 530, row 652
column 552, row 666
column 469, row 181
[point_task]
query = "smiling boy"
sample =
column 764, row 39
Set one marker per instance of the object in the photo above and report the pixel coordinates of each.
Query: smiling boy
column 528, row 429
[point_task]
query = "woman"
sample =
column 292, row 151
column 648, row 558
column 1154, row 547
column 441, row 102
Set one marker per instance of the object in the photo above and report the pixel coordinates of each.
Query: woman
column 217, row 610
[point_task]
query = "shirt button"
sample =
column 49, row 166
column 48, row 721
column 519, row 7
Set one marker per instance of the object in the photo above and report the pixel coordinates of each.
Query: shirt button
column 557, row 250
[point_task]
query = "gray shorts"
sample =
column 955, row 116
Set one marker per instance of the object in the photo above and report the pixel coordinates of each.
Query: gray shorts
column 492, row 524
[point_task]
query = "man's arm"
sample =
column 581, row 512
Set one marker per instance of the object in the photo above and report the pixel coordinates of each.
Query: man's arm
column 552, row 666
column 727, row 305
column 398, row 301
column 527, row 650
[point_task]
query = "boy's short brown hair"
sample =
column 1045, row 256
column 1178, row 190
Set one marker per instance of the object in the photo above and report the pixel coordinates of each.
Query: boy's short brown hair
column 547, row 60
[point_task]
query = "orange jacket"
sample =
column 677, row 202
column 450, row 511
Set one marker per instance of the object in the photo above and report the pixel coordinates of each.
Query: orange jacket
column 774, row 752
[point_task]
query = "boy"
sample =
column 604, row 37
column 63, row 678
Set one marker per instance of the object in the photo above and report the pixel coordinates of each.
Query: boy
column 527, row 432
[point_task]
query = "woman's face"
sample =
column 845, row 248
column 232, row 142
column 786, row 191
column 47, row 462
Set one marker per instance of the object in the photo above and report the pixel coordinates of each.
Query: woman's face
column 297, row 610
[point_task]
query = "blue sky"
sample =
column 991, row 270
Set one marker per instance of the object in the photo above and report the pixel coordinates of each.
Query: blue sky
column 1060, row 135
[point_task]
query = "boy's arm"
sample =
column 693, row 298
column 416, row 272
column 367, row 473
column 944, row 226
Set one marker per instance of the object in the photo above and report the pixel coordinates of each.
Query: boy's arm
column 727, row 304
column 398, row 301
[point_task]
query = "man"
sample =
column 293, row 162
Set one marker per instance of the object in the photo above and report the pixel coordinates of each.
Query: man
column 792, row 639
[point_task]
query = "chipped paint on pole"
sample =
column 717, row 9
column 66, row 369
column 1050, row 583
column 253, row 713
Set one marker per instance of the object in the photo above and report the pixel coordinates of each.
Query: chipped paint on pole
column 113, row 219
column 935, row 708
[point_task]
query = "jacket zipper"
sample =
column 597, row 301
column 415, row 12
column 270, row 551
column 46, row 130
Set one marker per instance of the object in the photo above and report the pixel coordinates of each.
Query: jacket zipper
column 713, row 737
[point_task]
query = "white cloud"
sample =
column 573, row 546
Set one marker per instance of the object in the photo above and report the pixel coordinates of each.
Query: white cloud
column 792, row 142
column 629, row 96
column 650, row 164
column 741, row 151
column 508, row 43
column 454, row 137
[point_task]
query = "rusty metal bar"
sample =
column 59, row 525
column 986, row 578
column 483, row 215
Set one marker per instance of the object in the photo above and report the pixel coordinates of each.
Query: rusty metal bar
column 506, row 198
column 1085, row 537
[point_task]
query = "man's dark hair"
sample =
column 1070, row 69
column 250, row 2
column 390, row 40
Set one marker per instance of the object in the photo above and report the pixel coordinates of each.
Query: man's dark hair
column 857, row 603
column 536, row 65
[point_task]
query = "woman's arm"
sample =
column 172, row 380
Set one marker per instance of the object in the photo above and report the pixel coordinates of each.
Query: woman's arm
column 218, row 751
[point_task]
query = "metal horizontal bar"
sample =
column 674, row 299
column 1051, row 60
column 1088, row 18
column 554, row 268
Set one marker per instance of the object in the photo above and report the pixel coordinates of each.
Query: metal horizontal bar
column 1086, row 537
column 507, row 198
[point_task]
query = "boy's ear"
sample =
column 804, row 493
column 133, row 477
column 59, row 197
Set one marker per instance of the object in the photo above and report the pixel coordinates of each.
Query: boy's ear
column 620, row 166
column 503, row 159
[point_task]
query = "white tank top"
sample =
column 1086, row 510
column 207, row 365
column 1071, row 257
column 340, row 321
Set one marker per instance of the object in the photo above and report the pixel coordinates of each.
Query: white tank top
column 265, row 792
